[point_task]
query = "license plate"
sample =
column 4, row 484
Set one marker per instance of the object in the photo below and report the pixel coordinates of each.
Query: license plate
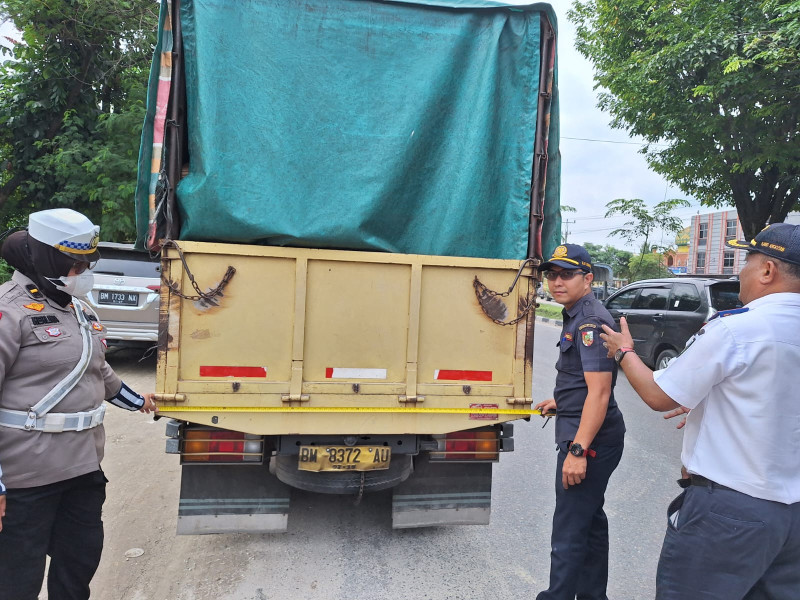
column 344, row 458
column 118, row 298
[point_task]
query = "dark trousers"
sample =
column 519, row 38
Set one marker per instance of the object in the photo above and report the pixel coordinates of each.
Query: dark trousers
column 579, row 542
column 60, row 519
column 725, row 545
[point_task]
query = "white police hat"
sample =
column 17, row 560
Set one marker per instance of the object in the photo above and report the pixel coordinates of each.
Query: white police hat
column 66, row 230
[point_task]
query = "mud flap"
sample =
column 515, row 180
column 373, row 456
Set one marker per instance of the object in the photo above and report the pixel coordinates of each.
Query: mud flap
column 443, row 494
column 232, row 499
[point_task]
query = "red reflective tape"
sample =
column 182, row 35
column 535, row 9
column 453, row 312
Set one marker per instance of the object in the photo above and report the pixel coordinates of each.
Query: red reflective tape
column 454, row 375
column 219, row 371
column 329, row 372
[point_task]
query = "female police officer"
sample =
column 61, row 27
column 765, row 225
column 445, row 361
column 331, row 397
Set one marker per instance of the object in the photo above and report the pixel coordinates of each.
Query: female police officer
column 53, row 380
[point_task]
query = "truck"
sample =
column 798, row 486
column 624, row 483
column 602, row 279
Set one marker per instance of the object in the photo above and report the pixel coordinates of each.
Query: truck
column 351, row 199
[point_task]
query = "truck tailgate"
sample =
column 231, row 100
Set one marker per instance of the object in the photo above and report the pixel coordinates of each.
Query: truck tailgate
column 308, row 341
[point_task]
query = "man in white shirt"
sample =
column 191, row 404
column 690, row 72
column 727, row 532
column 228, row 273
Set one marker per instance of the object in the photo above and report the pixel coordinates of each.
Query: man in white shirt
column 734, row 532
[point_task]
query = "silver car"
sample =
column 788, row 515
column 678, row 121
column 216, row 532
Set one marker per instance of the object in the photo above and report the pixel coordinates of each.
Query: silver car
column 125, row 294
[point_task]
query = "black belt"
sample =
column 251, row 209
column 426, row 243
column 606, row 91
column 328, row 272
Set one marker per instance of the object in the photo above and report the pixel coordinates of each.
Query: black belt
column 703, row 482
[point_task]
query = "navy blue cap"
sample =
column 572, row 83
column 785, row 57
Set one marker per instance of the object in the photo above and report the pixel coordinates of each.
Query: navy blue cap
column 569, row 256
column 779, row 240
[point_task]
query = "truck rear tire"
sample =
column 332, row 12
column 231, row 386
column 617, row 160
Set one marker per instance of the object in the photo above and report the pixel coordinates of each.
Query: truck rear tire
column 348, row 482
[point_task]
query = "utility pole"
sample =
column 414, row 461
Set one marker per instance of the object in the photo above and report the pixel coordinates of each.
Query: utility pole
column 566, row 223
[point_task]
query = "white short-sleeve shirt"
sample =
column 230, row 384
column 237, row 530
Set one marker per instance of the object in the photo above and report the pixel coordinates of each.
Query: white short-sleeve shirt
column 741, row 378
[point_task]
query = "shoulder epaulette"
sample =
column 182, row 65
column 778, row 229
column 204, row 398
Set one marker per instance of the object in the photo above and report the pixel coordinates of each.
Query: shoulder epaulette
column 728, row 313
column 34, row 292
column 588, row 308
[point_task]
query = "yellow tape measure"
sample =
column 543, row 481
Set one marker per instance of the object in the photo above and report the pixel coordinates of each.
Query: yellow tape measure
column 351, row 409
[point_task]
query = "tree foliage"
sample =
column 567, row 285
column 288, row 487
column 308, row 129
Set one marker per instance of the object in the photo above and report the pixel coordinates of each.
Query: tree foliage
column 647, row 266
column 714, row 89
column 644, row 221
column 609, row 255
column 643, row 225
column 72, row 94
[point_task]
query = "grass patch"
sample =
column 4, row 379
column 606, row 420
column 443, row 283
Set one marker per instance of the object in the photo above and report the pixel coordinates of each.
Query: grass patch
column 549, row 311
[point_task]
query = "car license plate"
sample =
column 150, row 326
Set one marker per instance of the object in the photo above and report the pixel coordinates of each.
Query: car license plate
column 344, row 458
column 118, row 298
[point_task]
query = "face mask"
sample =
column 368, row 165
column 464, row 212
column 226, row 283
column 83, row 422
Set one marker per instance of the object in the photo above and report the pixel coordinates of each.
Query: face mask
column 75, row 285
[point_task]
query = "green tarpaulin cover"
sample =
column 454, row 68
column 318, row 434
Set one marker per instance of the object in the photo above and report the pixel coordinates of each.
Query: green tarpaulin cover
column 355, row 124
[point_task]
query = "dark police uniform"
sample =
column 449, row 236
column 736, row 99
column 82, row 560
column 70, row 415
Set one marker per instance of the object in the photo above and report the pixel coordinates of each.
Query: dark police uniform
column 579, row 552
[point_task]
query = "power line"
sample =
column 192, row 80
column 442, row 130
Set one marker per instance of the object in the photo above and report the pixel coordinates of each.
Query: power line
column 565, row 137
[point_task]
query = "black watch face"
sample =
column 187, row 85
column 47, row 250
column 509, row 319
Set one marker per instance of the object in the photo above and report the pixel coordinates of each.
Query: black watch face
column 576, row 450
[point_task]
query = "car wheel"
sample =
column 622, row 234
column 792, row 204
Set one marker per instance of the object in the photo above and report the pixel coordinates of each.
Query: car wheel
column 664, row 357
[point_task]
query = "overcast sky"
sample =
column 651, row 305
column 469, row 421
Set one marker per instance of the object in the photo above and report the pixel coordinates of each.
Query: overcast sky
column 593, row 172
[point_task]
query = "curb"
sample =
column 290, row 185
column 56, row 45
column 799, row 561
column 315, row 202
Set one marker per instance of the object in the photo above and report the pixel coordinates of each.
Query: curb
column 549, row 321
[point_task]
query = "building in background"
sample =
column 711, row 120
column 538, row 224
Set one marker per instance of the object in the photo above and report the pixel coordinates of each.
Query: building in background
column 707, row 253
column 676, row 259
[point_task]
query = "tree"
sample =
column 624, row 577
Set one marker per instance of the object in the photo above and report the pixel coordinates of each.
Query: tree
column 647, row 266
column 717, row 127
column 644, row 223
column 609, row 255
column 72, row 97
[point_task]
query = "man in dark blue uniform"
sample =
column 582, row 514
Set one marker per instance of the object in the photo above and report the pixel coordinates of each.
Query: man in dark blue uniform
column 589, row 432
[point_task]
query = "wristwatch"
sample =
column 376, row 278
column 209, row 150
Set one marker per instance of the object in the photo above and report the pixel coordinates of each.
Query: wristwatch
column 576, row 449
column 620, row 353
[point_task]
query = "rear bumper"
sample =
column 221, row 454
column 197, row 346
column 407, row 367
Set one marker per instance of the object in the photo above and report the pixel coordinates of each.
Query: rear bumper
column 131, row 332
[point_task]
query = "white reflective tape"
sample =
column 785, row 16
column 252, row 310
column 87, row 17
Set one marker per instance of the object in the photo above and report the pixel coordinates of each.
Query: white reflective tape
column 351, row 373
column 54, row 422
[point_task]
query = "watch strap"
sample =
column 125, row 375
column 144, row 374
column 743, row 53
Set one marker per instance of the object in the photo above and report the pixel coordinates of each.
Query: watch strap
column 622, row 353
column 586, row 451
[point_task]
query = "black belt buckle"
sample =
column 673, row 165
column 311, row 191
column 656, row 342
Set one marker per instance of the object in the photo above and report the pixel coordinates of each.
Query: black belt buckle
column 701, row 481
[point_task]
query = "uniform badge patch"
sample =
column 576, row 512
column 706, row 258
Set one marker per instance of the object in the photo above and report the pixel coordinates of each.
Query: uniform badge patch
column 96, row 326
column 105, row 343
column 587, row 337
column 588, row 326
column 37, row 306
column 53, row 331
column 568, row 337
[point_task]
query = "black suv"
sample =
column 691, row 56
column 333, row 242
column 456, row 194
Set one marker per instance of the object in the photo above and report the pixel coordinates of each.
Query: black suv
column 663, row 314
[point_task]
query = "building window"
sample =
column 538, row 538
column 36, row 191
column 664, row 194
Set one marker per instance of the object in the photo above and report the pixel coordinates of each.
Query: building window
column 701, row 263
column 727, row 263
column 730, row 229
column 702, row 236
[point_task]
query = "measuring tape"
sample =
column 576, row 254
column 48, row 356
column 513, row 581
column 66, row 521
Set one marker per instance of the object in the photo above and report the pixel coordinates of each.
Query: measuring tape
column 352, row 409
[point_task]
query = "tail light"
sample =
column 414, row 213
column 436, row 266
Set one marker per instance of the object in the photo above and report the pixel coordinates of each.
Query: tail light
column 468, row 445
column 154, row 288
column 218, row 446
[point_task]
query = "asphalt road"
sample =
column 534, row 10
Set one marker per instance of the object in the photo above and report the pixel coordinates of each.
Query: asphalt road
column 335, row 550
